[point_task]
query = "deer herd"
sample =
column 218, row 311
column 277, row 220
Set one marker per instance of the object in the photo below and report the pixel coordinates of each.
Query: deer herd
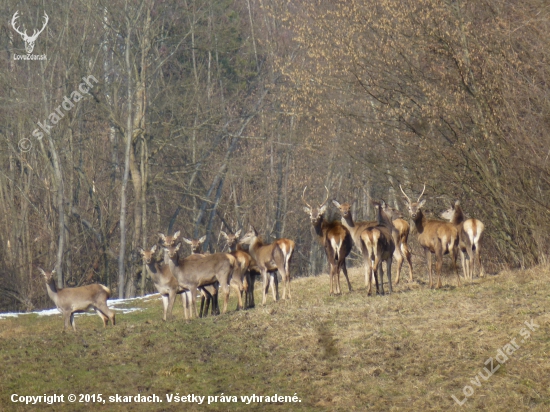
column 381, row 240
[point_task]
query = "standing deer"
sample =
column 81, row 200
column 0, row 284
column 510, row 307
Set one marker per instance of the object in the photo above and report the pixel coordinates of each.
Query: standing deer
column 269, row 259
column 196, row 271
column 356, row 229
column 244, row 261
column 434, row 236
column 380, row 246
column 469, row 233
column 336, row 240
column 76, row 300
column 209, row 293
column 166, row 284
column 403, row 230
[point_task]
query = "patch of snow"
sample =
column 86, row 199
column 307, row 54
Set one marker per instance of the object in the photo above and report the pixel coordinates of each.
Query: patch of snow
column 112, row 303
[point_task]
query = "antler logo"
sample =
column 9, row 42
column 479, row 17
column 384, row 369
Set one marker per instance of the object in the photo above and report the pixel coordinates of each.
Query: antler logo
column 29, row 41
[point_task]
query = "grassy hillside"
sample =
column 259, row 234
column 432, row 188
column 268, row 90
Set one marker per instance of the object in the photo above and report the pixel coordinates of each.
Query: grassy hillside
column 408, row 351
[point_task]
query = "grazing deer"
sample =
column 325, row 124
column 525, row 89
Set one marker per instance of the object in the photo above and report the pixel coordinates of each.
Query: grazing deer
column 403, row 230
column 269, row 259
column 166, row 284
column 380, row 246
column 197, row 271
column 75, row 300
column 434, row 236
column 209, row 293
column 336, row 240
column 244, row 261
column 469, row 233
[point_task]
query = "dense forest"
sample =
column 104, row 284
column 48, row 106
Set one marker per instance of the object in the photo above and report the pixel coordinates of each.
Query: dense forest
column 148, row 116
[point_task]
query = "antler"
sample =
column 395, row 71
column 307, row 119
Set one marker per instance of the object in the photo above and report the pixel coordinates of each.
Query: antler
column 35, row 33
column 402, row 191
column 303, row 198
column 419, row 197
column 15, row 17
column 324, row 201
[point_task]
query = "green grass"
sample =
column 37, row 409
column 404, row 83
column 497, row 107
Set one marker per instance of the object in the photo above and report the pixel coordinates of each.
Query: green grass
column 408, row 351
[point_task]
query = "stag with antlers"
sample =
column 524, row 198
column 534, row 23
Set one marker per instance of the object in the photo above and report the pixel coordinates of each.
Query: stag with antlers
column 335, row 238
column 29, row 40
column 435, row 236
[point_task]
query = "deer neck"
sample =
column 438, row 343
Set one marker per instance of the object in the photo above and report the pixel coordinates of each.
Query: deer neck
column 420, row 222
column 154, row 270
column 52, row 290
column 318, row 227
column 348, row 223
column 458, row 216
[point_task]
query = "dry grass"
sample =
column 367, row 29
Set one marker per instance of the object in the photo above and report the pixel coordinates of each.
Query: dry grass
column 408, row 351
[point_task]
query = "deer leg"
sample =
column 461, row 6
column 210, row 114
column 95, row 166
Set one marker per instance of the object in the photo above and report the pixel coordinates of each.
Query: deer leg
column 164, row 306
column 439, row 264
column 275, row 286
column 171, row 300
column 454, row 256
column 407, row 254
column 250, row 293
column 336, row 268
column 399, row 258
column 265, row 285
column 379, row 271
column 72, row 321
column 429, row 262
column 388, row 269
column 225, row 289
column 345, row 269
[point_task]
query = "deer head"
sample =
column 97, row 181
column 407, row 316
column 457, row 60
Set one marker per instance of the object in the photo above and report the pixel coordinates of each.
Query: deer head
column 315, row 214
column 414, row 207
column 29, row 40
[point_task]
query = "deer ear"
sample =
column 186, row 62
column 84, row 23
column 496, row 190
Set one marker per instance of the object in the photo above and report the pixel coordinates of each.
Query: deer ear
column 202, row 239
column 140, row 250
column 177, row 234
column 223, row 234
column 307, row 210
column 335, row 203
column 53, row 271
column 42, row 271
column 162, row 237
column 422, row 203
column 186, row 241
column 154, row 248
column 238, row 233
column 322, row 209
column 178, row 246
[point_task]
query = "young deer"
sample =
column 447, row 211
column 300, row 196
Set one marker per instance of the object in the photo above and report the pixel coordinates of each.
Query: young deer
column 469, row 233
column 434, row 236
column 166, row 284
column 269, row 259
column 403, row 230
column 243, row 260
column 336, row 240
column 75, row 300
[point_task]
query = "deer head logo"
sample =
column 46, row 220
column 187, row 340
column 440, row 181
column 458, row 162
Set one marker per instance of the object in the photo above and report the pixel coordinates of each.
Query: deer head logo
column 29, row 40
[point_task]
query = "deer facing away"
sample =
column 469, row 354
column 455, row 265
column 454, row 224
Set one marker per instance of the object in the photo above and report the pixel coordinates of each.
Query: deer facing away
column 469, row 233
column 75, row 300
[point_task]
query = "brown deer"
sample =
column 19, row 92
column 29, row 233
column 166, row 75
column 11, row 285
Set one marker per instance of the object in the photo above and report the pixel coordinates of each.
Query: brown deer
column 380, row 246
column 434, row 236
column 469, row 233
column 166, row 284
column 76, row 300
column 269, row 259
column 244, row 261
column 196, row 271
column 336, row 240
column 209, row 293
column 403, row 230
